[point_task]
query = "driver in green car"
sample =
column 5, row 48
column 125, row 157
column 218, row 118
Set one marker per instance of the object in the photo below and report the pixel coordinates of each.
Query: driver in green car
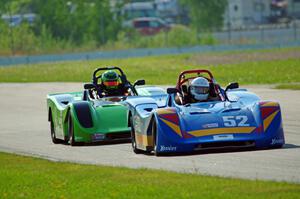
column 111, row 84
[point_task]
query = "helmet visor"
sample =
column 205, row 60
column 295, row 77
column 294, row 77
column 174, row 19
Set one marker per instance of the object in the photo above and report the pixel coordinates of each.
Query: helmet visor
column 111, row 83
column 200, row 90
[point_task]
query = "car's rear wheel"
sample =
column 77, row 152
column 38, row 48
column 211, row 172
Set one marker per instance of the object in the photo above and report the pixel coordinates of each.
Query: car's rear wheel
column 71, row 132
column 133, row 141
column 52, row 130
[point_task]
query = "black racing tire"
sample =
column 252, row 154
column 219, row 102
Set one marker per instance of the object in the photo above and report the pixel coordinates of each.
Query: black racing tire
column 133, row 141
column 154, row 133
column 71, row 132
column 52, row 131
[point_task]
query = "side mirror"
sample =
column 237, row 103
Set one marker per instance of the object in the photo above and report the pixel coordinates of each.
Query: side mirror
column 88, row 86
column 232, row 86
column 139, row 82
column 172, row 90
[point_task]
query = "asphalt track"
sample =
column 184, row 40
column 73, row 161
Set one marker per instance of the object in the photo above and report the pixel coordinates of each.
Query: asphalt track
column 24, row 130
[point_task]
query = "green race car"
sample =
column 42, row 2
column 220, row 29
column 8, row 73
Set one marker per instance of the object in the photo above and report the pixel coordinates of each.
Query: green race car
column 99, row 113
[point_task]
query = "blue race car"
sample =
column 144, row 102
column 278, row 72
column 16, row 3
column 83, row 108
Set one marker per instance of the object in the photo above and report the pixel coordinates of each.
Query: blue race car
column 228, row 118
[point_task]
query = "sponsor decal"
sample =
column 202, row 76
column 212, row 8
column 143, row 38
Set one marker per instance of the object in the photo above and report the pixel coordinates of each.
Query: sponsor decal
column 211, row 125
column 223, row 137
column 98, row 136
column 276, row 141
column 168, row 148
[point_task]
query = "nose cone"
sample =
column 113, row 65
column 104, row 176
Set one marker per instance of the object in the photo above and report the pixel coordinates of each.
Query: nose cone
column 212, row 116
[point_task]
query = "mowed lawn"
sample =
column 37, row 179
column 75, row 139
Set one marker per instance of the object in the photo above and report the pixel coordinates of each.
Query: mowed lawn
column 26, row 177
column 164, row 70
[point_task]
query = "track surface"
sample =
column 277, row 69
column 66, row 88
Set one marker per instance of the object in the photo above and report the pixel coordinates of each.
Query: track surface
column 24, row 129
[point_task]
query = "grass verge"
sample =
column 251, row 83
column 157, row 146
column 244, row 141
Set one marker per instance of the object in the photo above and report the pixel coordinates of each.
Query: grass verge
column 26, row 177
column 292, row 86
column 164, row 70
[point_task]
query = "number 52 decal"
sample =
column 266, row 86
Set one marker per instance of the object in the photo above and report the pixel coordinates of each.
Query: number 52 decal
column 240, row 120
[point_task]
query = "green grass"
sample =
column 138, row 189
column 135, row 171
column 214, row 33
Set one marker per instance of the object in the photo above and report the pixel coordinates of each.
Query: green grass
column 292, row 86
column 161, row 70
column 26, row 177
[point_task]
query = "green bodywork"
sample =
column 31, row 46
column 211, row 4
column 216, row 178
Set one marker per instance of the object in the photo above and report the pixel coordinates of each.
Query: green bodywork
column 108, row 117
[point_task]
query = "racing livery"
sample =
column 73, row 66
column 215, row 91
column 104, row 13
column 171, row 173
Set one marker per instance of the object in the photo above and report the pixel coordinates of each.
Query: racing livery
column 230, row 118
column 94, row 115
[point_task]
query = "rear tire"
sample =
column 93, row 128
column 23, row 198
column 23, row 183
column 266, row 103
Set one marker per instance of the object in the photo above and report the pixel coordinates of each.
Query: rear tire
column 133, row 141
column 52, row 130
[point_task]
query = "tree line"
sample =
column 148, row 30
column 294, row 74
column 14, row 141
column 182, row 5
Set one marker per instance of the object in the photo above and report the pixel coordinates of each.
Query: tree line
column 81, row 21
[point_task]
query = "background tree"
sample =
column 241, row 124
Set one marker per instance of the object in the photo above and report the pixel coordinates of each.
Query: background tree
column 206, row 14
column 77, row 20
column 14, row 6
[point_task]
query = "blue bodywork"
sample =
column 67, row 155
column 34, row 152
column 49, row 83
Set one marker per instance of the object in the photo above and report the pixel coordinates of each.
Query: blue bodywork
column 241, row 120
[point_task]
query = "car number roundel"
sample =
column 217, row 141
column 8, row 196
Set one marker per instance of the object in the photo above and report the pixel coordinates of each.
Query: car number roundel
column 239, row 120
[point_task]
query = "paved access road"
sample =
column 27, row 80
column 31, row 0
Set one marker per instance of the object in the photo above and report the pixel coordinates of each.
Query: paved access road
column 24, row 129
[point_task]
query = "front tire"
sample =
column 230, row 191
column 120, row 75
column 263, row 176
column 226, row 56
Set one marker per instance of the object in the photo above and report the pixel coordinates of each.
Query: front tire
column 154, row 133
column 133, row 141
column 71, row 132
column 52, row 130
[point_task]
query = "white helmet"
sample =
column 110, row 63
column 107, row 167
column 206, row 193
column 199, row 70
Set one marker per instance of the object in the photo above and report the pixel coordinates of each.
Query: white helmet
column 199, row 88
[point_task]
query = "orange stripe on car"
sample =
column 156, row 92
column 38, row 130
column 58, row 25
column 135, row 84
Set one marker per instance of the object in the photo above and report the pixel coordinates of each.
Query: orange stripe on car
column 165, row 111
column 269, row 104
column 232, row 130
column 173, row 126
column 269, row 119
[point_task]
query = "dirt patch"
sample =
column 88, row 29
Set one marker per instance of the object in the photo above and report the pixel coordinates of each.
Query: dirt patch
column 232, row 58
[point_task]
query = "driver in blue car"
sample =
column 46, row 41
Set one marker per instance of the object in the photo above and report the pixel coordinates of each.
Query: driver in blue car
column 111, row 84
column 199, row 90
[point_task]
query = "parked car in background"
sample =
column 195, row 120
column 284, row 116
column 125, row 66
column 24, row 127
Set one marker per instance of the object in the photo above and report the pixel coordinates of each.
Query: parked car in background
column 16, row 20
column 134, row 10
column 150, row 25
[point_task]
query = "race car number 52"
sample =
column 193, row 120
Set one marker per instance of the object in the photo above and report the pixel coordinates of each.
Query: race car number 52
column 240, row 120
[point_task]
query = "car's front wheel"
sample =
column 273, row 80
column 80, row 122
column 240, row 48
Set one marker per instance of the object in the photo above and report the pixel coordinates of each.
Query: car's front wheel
column 71, row 132
column 52, row 130
column 154, row 133
column 133, row 141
